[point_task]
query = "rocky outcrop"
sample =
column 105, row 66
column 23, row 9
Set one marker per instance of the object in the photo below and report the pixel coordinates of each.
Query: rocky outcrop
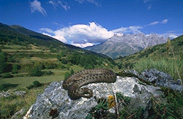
column 157, row 78
column 10, row 93
column 55, row 103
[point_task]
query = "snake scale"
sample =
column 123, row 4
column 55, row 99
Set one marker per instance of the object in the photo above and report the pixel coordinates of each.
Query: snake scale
column 74, row 83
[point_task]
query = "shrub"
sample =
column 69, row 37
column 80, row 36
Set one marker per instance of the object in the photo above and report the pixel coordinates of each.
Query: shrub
column 35, row 71
column 5, row 87
column 15, row 68
column 68, row 74
column 37, row 84
column 7, row 75
column 47, row 72
column 34, row 85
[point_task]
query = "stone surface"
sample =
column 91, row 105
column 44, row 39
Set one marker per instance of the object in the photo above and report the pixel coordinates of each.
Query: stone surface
column 159, row 78
column 19, row 93
column 10, row 93
column 55, row 103
column 5, row 94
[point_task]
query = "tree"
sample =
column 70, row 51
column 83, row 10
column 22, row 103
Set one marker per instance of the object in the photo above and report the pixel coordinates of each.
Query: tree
column 15, row 68
column 36, row 71
column 3, row 64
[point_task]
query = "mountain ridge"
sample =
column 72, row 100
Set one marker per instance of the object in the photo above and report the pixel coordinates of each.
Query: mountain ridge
column 127, row 44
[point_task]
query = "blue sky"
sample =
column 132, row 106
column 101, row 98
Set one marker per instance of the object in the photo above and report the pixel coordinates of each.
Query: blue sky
column 87, row 22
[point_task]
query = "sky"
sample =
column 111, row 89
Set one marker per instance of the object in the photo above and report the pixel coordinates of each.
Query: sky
column 88, row 22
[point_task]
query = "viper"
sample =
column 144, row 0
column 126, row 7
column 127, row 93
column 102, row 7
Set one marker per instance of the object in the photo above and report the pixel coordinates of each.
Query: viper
column 75, row 82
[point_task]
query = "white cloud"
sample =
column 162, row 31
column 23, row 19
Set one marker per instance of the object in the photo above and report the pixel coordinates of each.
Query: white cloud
column 36, row 6
column 57, row 3
column 158, row 22
column 81, row 35
column 130, row 29
column 47, row 30
column 53, row 3
column 164, row 21
column 170, row 35
column 82, row 45
column 173, row 36
column 153, row 23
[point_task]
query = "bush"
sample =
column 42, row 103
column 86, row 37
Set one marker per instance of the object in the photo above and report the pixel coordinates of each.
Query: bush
column 7, row 75
column 47, row 72
column 3, row 59
column 68, row 74
column 37, row 84
column 34, row 85
column 35, row 71
column 5, row 87
column 15, row 68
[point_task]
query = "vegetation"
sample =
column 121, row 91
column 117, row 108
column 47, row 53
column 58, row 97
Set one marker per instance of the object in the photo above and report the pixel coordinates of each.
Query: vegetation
column 34, row 85
column 10, row 105
column 2, row 62
column 7, row 86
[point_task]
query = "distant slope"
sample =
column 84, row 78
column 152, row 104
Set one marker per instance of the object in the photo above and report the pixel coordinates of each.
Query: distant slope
column 127, row 44
column 155, row 52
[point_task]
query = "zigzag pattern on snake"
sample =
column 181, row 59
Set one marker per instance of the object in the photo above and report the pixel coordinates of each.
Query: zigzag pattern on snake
column 74, row 83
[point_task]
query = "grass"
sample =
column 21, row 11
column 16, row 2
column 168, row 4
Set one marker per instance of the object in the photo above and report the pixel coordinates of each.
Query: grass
column 23, row 82
column 12, row 104
column 169, row 66
column 26, row 81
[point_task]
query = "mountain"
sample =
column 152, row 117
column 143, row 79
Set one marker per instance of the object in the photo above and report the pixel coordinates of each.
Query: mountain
column 127, row 44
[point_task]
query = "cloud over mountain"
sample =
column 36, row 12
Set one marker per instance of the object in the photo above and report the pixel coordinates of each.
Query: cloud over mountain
column 83, row 35
column 80, row 34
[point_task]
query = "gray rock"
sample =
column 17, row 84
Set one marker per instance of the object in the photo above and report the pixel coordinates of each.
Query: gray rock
column 158, row 78
column 55, row 103
column 162, row 79
column 10, row 93
column 5, row 94
column 19, row 93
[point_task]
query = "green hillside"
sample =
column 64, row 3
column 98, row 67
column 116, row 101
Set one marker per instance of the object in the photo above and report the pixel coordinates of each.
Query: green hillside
column 25, row 53
column 166, row 57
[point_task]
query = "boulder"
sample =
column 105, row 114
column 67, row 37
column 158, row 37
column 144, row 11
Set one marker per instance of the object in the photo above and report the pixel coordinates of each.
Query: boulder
column 55, row 103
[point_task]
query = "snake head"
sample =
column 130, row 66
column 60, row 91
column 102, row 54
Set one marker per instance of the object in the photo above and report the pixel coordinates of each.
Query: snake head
column 87, row 93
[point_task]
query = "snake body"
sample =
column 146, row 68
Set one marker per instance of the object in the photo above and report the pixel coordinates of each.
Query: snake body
column 74, row 83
